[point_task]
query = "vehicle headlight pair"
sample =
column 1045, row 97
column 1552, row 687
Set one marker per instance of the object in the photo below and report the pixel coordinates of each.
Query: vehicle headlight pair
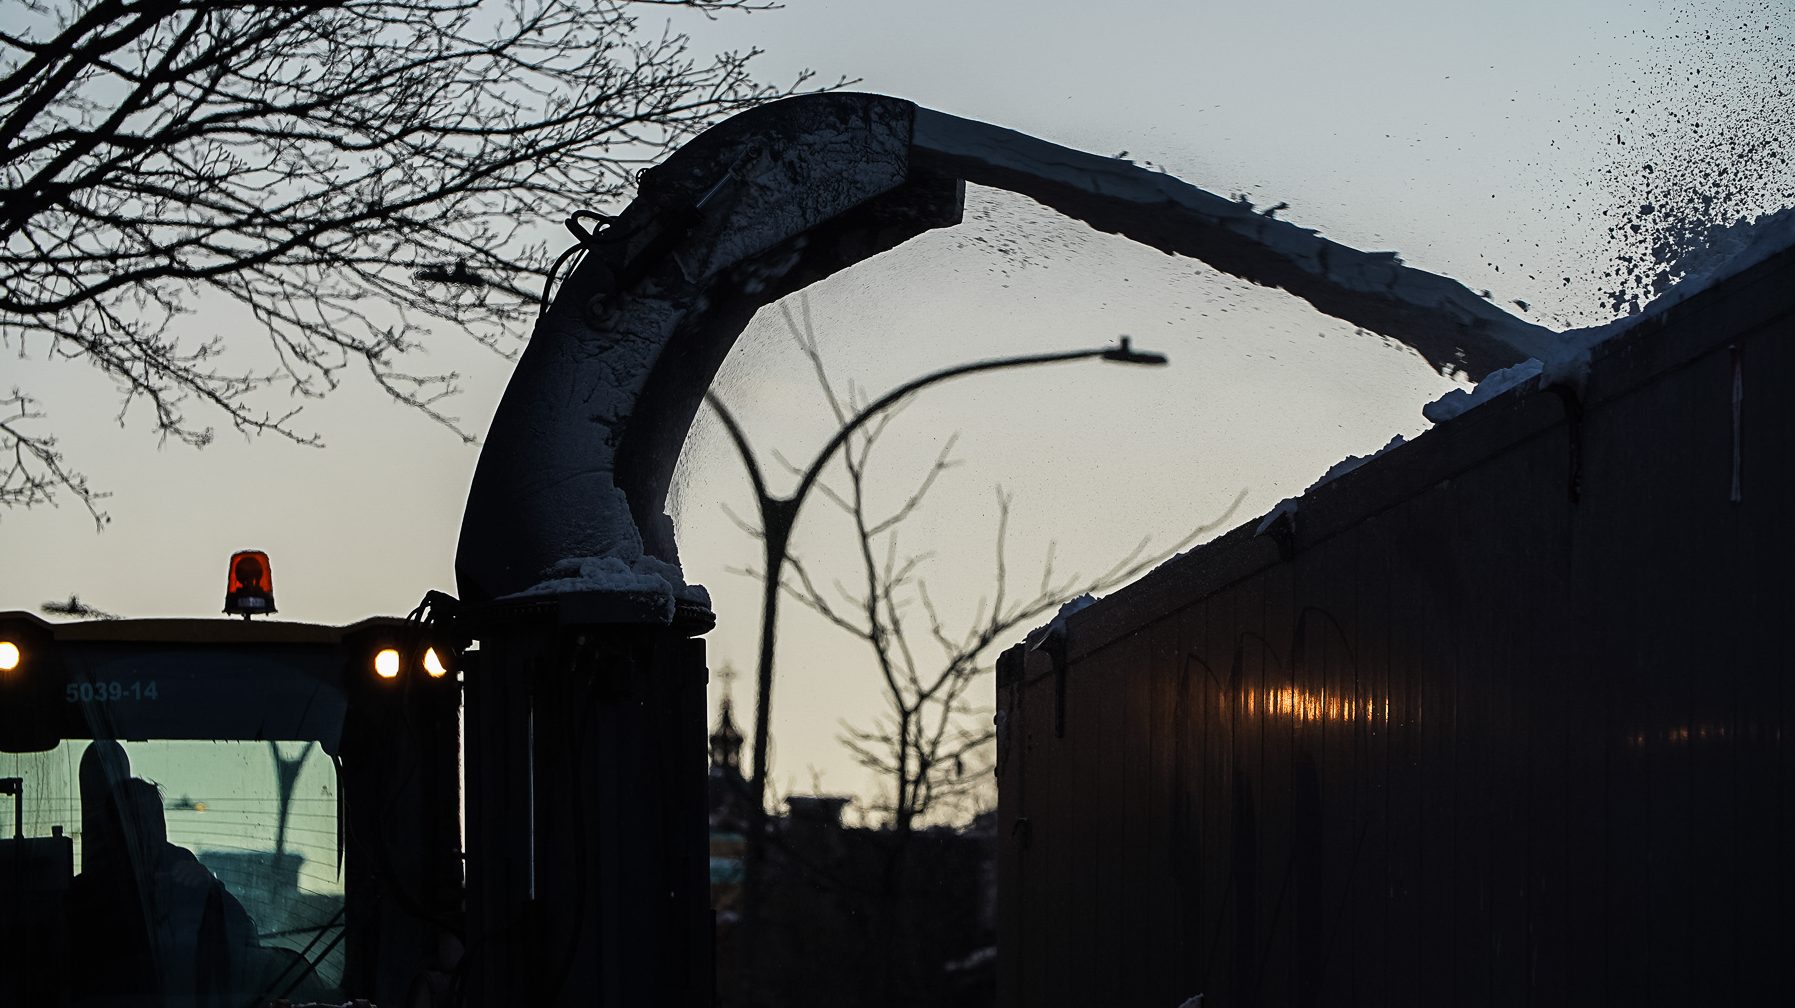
column 387, row 663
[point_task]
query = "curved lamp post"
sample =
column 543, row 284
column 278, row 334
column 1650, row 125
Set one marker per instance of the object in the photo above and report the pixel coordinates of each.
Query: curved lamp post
column 778, row 515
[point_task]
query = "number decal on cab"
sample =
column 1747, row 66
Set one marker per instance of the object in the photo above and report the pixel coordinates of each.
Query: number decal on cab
column 110, row 691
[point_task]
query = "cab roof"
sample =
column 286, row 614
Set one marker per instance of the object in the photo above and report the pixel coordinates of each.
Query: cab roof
column 203, row 630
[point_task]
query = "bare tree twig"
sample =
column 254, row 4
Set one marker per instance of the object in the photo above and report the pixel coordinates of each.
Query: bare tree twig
column 922, row 748
column 348, row 172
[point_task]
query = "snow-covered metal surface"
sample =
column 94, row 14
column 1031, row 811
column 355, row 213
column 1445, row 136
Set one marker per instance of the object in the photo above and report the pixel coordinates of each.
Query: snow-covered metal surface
column 1289, row 506
column 1731, row 249
column 1565, row 363
column 1509, row 708
column 1440, row 318
column 1057, row 625
column 570, row 491
column 1459, row 400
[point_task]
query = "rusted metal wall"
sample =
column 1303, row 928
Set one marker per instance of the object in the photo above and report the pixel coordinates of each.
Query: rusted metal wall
column 1502, row 722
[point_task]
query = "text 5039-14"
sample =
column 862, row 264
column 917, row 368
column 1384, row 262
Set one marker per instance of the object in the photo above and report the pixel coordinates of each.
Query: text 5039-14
column 106, row 692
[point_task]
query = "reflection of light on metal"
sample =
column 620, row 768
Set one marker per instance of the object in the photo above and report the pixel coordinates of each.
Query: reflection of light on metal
column 386, row 663
column 1316, row 706
column 434, row 665
column 9, row 656
column 1683, row 734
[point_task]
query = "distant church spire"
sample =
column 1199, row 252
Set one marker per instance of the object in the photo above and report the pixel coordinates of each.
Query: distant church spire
column 726, row 740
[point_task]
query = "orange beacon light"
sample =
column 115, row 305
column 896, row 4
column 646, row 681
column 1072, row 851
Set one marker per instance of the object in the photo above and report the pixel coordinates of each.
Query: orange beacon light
column 249, row 588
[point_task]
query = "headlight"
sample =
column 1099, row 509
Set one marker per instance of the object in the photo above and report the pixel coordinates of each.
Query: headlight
column 10, row 656
column 386, row 663
column 433, row 665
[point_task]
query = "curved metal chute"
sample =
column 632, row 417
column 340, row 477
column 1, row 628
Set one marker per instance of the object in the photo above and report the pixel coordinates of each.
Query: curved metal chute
column 582, row 448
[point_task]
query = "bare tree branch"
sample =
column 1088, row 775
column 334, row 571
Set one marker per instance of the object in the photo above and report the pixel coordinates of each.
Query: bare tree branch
column 348, row 172
column 921, row 744
column 34, row 472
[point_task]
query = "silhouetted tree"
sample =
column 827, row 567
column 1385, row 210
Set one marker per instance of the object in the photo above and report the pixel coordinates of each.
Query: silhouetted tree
column 343, row 171
column 931, row 746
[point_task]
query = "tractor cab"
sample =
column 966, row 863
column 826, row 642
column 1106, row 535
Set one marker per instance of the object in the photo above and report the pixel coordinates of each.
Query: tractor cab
column 221, row 812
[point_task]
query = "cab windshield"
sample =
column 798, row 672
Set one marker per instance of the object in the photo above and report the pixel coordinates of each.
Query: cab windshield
column 210, row 871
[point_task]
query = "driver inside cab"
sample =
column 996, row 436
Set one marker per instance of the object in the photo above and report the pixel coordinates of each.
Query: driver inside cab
column 162, row 929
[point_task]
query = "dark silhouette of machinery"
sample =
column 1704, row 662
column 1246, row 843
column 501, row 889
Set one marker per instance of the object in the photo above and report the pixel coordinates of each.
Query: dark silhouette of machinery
column 585, row 792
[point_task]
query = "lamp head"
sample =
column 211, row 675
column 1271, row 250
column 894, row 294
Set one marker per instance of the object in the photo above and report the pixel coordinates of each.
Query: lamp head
column 1124, row 353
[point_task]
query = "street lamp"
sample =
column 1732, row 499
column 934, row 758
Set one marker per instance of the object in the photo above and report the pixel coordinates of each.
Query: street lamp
column 778, row 515
column 1123, row 353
